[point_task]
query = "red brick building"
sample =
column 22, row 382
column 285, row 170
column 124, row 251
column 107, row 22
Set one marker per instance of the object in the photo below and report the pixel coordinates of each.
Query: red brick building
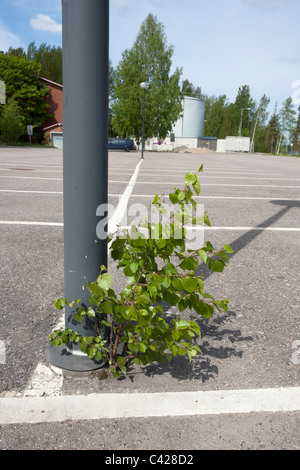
column 53, row 127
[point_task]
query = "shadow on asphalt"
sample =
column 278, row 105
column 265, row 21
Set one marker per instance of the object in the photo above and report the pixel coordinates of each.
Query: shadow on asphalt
column 201, row 368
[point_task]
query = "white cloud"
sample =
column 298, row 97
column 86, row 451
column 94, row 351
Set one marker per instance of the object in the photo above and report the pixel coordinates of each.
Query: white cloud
column 7, row 39
column 122, row 6
column 265, row 4
column 45, row 23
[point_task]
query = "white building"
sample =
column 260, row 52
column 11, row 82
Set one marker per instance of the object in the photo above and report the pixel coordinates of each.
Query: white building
column 186, row 130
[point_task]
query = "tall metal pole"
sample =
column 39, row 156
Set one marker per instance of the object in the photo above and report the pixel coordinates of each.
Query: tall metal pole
column 143, row 129
column 145, row 86
column 241, row 120
column 85, row 159
column 254, row 130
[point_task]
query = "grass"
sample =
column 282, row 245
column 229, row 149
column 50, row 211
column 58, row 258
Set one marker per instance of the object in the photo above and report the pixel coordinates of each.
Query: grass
column 24, row 144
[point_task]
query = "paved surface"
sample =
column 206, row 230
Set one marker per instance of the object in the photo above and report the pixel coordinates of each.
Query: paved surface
column 253, row 203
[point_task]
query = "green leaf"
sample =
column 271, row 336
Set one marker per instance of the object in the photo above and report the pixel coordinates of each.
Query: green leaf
column 180, row 194
column 170, row 268
column 91, row 312
column 203, row 255
column 97, row 291
column 134, row 267
column 78, row 317
column 200, row 169
column 161, row 243
column 176, row 283
column 173, row 198
column 190, row 178
column 182, row 325
column 59, row 304
column 98, row 356
column 106, row 307
column 217, row 266
column 189, row 264
column 197, row 187
column 228, row 249
column 166, row 282
column 152, row 290
column 223, row 256
column 170, row 297
column 142, row 347
column 131, row 313
column 104, row 281
column 203, row 309
column 190, row 284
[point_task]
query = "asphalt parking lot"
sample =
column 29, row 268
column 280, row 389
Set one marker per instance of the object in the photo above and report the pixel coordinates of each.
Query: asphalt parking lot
column 253, row 202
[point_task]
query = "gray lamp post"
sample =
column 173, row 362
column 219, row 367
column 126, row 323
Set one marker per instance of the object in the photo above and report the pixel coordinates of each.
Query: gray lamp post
column 145, row 86
column 85, row 158
column 241, row 121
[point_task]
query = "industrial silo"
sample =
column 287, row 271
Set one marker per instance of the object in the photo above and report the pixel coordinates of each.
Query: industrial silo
column 191, row 122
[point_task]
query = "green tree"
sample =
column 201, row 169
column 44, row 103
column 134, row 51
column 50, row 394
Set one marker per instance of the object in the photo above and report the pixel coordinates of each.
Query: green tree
column 17, row 52
column 296, row 135
column 214, row 123
column 149, row 60
column 273, row 132
column 22, row 84
column 244, row 105
column 11, row 123
column 188, row 89
column 287, row 116
column 50, row 59
column 259, row 129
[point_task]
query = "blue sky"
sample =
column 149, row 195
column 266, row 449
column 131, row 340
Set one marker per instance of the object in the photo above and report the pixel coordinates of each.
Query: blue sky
column 221, row 45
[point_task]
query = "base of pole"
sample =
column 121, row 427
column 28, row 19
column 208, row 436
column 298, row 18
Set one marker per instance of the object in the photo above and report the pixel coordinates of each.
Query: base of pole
column 65, row 358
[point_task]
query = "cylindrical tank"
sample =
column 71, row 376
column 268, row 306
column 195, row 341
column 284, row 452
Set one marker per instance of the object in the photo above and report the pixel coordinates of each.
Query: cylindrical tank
column 191, row 122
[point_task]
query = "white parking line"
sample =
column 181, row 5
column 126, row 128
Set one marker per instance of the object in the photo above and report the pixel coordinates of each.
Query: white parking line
column 29, row 191
column 243, row 229
column 141, row 405
column 261, row 229
column 160, row 183
column 123, row 203
column 31, row 169
column 25, row 222
column 31, row 178
column 151, row 196
column 230, row 177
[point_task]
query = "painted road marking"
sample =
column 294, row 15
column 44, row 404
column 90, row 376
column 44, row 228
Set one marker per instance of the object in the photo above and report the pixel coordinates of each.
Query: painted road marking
column 29, row 191
column 160, row 183
column 245, row 229
column 123, row 203
column 25, row 222
column 151, row 196
column 140, row 405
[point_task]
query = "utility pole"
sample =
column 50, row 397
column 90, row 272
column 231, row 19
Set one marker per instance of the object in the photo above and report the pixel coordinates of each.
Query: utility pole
column 254, row 130
column 145, row 86
column 85, row 160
